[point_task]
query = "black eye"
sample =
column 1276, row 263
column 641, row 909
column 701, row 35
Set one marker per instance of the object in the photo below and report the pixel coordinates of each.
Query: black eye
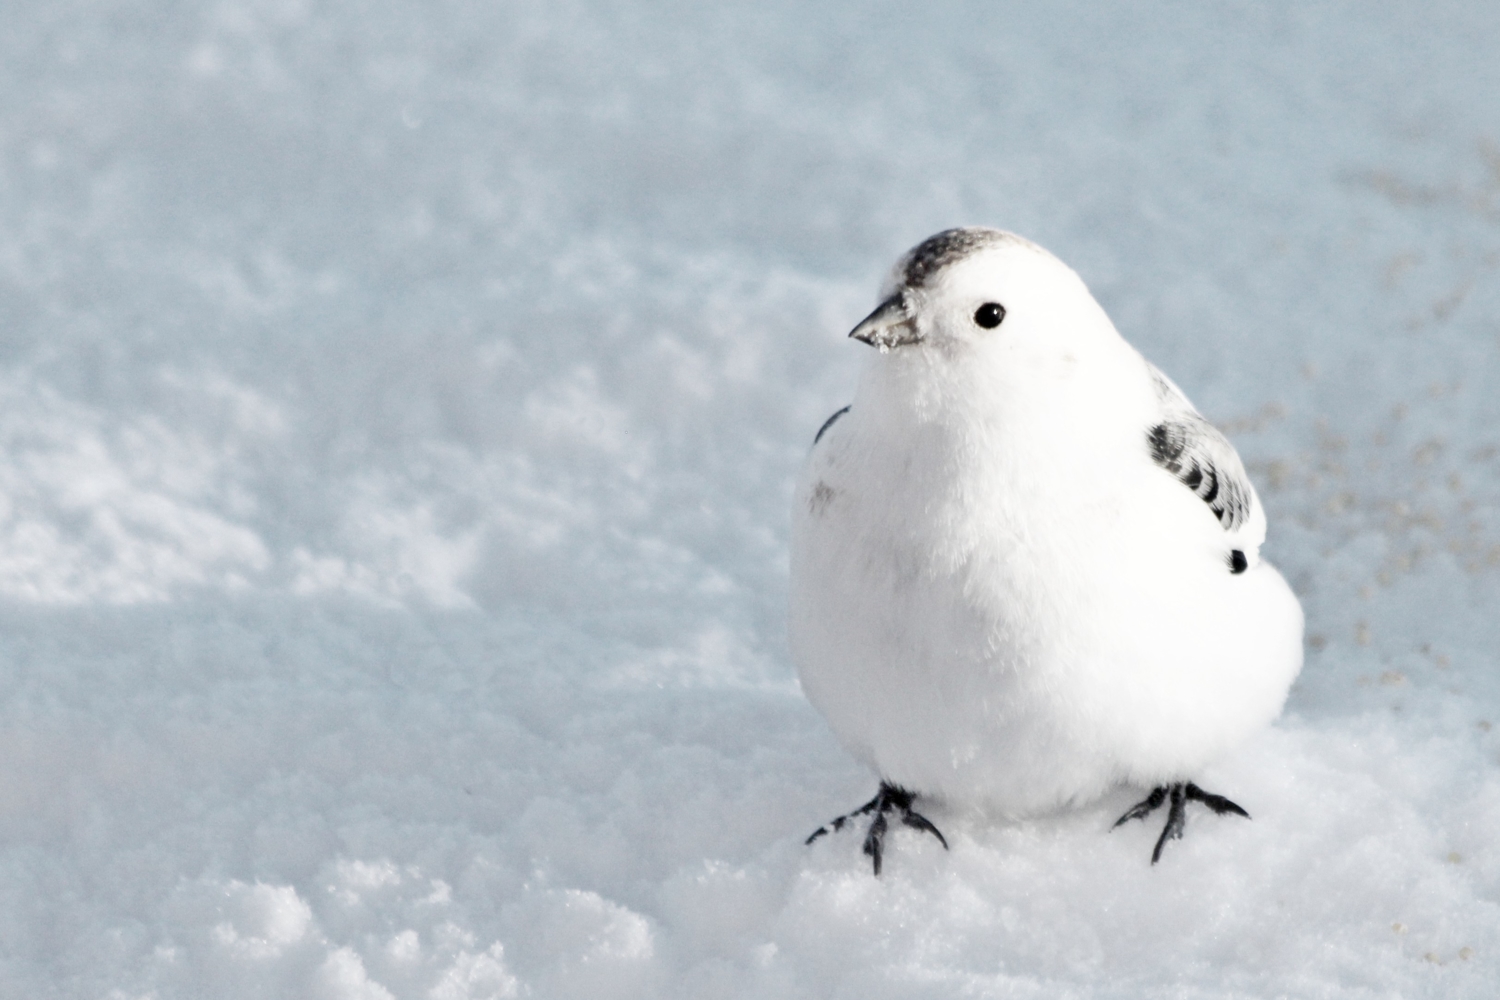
column 989, row 315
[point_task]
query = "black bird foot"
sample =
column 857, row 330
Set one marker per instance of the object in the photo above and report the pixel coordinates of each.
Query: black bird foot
column 890, row 798
column 1181, row 794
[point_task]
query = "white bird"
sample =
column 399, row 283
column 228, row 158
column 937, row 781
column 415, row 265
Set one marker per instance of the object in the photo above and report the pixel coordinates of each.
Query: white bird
column 1025, row 570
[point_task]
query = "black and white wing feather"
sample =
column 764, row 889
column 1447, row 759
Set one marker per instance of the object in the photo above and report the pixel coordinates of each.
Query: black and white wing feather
column 1202, row 459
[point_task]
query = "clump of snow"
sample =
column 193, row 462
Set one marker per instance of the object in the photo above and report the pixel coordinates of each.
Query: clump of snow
column 398, row 413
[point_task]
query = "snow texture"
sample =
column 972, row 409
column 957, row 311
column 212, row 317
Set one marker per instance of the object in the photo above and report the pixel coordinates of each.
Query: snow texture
column 399, row 410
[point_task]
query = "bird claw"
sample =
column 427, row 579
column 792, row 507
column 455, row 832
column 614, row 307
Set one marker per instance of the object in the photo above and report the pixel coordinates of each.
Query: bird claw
column 917, row 821
column 1176, row 822
column 1143, row 808
column 874, row 846
column 838, row 823
column 1217, row 803
column 890, row 798
column 1181, row 793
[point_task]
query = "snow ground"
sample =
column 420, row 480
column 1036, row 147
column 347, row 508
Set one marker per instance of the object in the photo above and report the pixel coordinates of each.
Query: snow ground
column 399, row 406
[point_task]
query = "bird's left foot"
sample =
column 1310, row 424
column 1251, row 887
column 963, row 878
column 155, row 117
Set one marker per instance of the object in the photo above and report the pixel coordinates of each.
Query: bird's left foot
column 1180, row 794
column 890, row 798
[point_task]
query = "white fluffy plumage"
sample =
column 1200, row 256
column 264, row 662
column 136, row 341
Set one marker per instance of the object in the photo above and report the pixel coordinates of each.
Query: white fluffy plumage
column 1024, row 569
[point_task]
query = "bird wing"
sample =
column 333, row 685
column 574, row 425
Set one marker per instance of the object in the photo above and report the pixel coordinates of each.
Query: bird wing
column 828, row 423
column 1202, row 459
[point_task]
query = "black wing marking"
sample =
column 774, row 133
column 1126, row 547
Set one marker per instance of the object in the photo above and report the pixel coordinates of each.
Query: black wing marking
column 1193, row 450
column 829, row 423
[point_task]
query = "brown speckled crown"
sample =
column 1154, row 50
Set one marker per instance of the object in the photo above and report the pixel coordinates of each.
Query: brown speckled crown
column 947, row 247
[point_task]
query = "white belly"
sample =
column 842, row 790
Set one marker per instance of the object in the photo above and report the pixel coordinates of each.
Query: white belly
column 1028, row 654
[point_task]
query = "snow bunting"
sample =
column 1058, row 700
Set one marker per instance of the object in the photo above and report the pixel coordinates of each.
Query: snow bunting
column 1025, row 570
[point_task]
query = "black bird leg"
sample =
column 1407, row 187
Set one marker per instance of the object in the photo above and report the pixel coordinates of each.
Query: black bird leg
column 1181, row 794
column 890, row 798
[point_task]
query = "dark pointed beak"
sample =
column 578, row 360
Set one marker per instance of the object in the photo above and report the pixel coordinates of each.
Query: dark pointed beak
column 890, row 325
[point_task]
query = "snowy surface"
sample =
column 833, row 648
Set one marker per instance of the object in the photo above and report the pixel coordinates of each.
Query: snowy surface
column 399, row 406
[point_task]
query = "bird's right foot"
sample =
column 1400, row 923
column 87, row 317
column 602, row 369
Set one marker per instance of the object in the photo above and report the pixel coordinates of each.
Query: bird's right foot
column 890, row 798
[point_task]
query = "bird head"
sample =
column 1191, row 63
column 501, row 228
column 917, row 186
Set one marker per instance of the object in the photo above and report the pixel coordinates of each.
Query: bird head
column 973, row 288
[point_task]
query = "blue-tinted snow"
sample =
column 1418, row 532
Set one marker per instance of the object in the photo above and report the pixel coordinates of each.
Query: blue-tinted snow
column 398, row 410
